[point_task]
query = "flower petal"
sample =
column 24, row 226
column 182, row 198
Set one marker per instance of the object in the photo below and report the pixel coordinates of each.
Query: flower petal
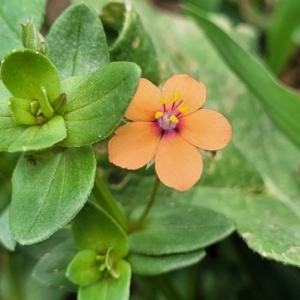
column 178, row 164
column 191, row 91
column 145, row 102
column 134, row 145
column 206, row 129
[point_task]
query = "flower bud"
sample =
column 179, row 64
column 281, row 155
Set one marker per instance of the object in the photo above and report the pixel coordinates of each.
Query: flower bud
column 60, row 104
column 41, row 120
column 34, row 107
column 32, row 39
column 21, row 111
column 45, row 105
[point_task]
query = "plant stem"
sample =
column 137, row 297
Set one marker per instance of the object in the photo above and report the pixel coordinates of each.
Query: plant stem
column 142, row 218
column 106, row 200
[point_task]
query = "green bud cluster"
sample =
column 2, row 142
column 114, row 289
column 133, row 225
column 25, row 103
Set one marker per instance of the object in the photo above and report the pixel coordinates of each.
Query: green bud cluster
column 106, row 264
column 88, row 266
column 36, row 111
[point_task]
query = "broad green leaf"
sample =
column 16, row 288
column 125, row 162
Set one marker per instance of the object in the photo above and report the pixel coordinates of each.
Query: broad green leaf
column 97, row 102
column 24, row 72
column 268, row 226
column 77, row 42
column 14, row 12
column 154, row 265
column 36, row 137
column 48, row 193
column 281, row 103
column 10, row 130
column 6, row 237
column 129, row 41
column 280, row 45
column 108, row 288
column 178, row 228
column 94, row 228
column 51, row 268
column 84, row 268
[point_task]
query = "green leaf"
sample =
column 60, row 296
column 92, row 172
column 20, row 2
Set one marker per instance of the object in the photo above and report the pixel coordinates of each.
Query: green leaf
column 281, row 104
column 84, row 268
column 94, row 228
column 154, row 265
column 130, row 41
column 97, row 102
column 51, row 268
column 6, row 237
column 48, row 193
column 24, row 72
column 36, row 137
column 178, row 228
column 14, row 12
column 77, row 42
column 280, row 45
column 108, row 288
column 9, row 129
column 268, row 226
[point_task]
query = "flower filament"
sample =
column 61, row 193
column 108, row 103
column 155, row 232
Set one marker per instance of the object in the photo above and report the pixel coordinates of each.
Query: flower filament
column 168, row 118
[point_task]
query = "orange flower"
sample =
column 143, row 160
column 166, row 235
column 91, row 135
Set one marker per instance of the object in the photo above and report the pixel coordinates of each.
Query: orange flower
column 169, row 126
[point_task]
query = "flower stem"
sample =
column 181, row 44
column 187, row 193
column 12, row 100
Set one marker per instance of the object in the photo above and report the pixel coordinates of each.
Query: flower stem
column 106, row 200
column 142, row 218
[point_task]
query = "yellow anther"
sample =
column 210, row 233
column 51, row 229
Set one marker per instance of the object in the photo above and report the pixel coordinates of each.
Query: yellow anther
column 175, row 96
column 158, row 114
column 174, row 119
column 184, row 109
column 163, row 101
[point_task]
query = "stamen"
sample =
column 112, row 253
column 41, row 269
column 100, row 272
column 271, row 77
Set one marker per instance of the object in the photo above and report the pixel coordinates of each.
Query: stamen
column 184, row 109
column 163, row 101
column 174, row 119
column 175, row 96
column 158, row 114
column 177, row 104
